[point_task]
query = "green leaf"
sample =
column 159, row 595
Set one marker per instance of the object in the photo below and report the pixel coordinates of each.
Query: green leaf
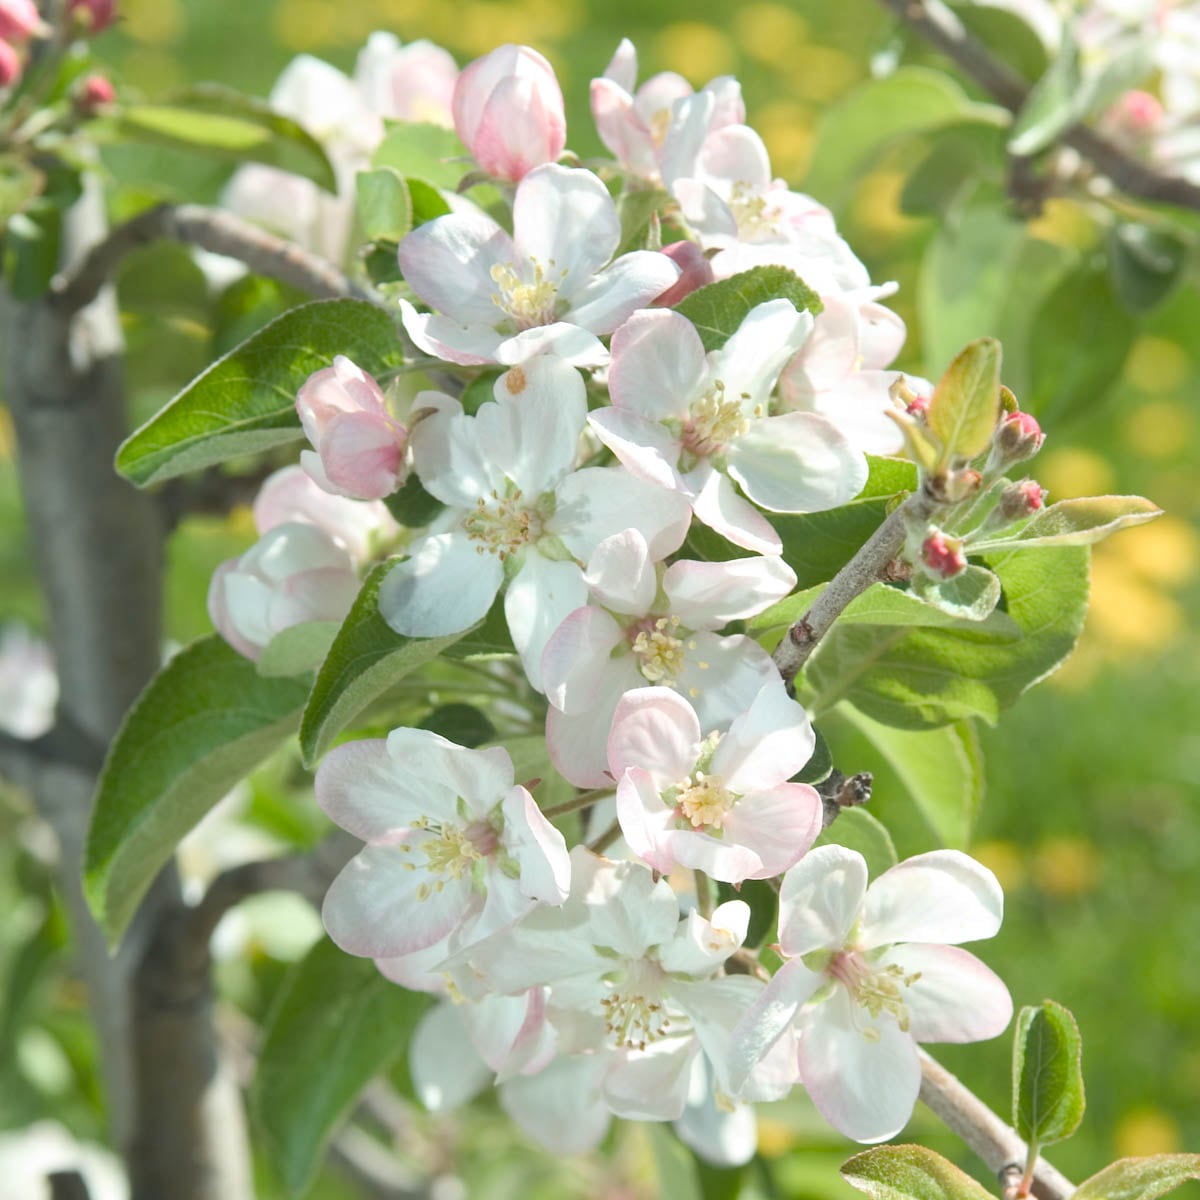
column 427, row 201
column 854, row 133
column 719, row 309
column 673, row 1164
column 1079, row 340
column 1047, row 1080
column 635, row 208
column 819, row 764
column 298, row 649
column 366, row 659
column 245, row 402
column 1053, row 103
column 384, row 205
column 971, row 595
column 203, row 722
column 928, row 677
column 20, row 183
column 1078, row 522
column 856, row 829
column 966, row 401
column 426, row 152
column 218, row 121
column 336, row 1024
column 940, row 769
column 463, row 724
column 1005, row 35
column 1140, row 1178
column 909, row 1173
column 1146, row 264
column 960, row 153
column 31, row 241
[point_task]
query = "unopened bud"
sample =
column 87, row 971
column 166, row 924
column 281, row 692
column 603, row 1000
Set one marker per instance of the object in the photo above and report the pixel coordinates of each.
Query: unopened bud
column 19, row 20
column 695, row 272
column 10, row 65
column 943, row 555
column 92, row 16
column 94, row 93
column 1021, row 500
column 903, row 395
column 1018, row 437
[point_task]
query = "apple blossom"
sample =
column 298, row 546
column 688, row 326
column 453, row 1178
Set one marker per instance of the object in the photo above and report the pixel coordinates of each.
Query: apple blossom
column 869, row 973
column 359, row 444
column 695, row 272
column 453, row 847
column 93, row 93
column 517, row 513
column 94, row 15
column 720, row 804
column 414, row 82
column 651, row 625
column 19, row 20
column 508, row 111
column 10, row 65
column 696, row 422
column 544, row 290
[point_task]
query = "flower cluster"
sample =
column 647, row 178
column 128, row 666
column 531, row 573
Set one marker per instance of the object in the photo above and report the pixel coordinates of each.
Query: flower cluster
column 599, row 433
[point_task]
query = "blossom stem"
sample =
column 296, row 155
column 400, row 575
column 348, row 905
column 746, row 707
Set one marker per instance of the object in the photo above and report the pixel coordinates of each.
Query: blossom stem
column 704, row 904
column 584, row 800
column 606, row 839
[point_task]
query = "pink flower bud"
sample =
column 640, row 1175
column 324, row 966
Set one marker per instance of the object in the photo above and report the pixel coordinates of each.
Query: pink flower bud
column 10, row 65
column 508, row 111
column 1020, row 500
column 19, row 20
column 1019, row 437
column 294, row 573
column 695, row 272
column 359, row 445
column 93, row 15
column 93, row 93
column 914, row 403
column 942, row 555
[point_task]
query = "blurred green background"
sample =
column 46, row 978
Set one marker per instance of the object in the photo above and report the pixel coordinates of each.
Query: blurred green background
column 1091, row 818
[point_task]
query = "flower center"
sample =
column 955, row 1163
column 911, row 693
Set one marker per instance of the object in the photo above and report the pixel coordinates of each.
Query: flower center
column 751, row 212
column 704, row 800
column 659, row 652
column 527, row 304
column 633, row 1011
column 451, row 851
column 878, row 991
column 712, row 421
column 501, row 524
column 658, row 124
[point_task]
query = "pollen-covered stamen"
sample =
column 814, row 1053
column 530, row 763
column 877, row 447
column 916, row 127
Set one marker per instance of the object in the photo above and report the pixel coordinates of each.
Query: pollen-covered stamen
column 451, row 852
column 502, row 524
column 712, row 421
column 527, row 303
column 751, row 212
column 657, row 126
column 659, row 649
column 878, row 990
column 634, row 1015
column 704, row 800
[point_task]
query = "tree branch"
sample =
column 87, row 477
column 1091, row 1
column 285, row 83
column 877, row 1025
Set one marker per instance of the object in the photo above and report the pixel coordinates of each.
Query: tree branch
column 210, row 229
column 989, row 1137
column 942, row 30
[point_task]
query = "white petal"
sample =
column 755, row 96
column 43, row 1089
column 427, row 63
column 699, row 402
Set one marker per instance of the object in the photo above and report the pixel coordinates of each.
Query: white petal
column 736, row 154
column 620, row 575
column 577, row 742
column 444, row 337
column 644, row 447
column 628, row 911
column 617, row 292
column 578, row 658
column 708, row 595
column 658, row 365
column 750, row 362
column 444, row 588
column 539, row 848
column 446, row 1071
column 722, row 675
column 716, row 502
column 956, row 998
column 702, row 945
column 723, row 1138
column 454, row 466
column 765, row 1023
column 943, row 896
column 864, row 1088
column 767, row 744
column 538, row 600
column 644, row 818
column 797, row 462
column 655, row 729
column 778, row 825
column 560, row 1108
column 562, row 340
column 820, row 899
column 650, row 1084
column 481, row 778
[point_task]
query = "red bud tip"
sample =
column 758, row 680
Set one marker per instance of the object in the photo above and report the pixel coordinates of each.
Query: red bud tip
column 95, row 92
column 10, row 65
column 695, row 272
column 942, row 555
column 1019, row 437
column 1020, row 500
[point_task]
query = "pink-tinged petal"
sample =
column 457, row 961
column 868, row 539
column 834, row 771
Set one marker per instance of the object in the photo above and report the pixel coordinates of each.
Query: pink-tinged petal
column 531, row 434
column 736, row 154
column 858, row 409
column 655, row 729
column 382, row 904
column 650, row 1084
column 778, row 826
column 445, row 1071
column 633, row 281
column 622, row 68
column 444, row 588
column 943, row 896
column 717, row 504
column 691, row 122
column 498, row 1025
column 481, row 778
column 709, row 217
column 577, row 742
column 722, row 675
column 361, row 787
column 883, row 334
column 658, row 365
column 541, row 596
column 621, row 128
column 551, row 206
column 420, row 971
column 796, row 463
column 579, row 658
column 769, row 1018
column 362, row 455
column 644, row 447
column 448, row 263
column 539, row 849
column 560, row 1108
column 443, row 337
column 767, row 744
column 222, row 618
column 570, row 343
column 820, row 900
column 708, row 595
column 620, row 575
column 723, row 858
column 597, row 502
column 522, row 127
column 864, row 1088
column 829, row 355
column 644, row 819
column 955, row 998
column 695, row 271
